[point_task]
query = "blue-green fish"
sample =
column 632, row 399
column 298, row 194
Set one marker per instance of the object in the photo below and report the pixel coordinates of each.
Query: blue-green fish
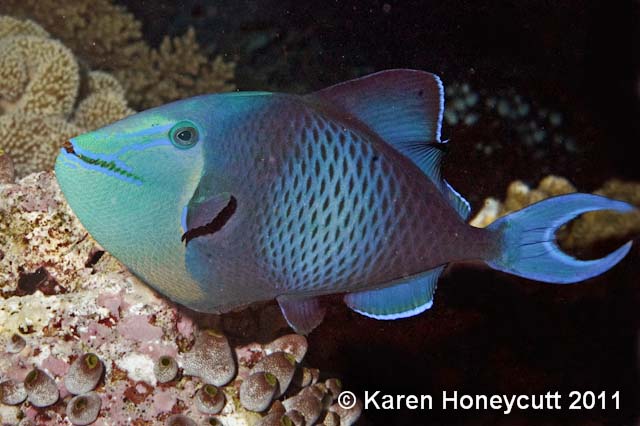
column 223, row 200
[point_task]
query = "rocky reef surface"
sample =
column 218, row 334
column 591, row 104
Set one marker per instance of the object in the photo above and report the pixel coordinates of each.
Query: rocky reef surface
column 67, row 308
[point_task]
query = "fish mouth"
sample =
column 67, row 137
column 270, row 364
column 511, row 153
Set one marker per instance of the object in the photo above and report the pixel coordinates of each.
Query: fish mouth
column 214, row 225
column 109, row 166
column 68, row 146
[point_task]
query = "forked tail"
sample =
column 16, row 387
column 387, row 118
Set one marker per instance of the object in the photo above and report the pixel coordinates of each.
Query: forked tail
column 528, row 240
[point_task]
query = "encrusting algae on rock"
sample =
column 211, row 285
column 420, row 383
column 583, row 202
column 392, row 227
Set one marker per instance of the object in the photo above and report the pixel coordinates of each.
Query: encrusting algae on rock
column 80, row 312
column 45, row 98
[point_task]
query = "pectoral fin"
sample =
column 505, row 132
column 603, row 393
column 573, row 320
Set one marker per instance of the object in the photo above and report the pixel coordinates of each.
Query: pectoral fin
column 207, row 216
column 399, row 301
column 302, row 314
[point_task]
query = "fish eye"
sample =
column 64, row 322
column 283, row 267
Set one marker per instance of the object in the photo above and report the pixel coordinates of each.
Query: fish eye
column 184, row 134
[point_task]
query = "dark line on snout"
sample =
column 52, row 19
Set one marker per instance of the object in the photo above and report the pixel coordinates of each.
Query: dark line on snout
column 215, row 225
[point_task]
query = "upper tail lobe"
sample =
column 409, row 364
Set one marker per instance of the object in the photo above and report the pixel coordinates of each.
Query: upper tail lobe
column 528, row 248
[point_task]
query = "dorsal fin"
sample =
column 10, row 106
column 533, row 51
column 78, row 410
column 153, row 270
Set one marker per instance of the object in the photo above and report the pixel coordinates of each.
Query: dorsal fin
column 404, row 107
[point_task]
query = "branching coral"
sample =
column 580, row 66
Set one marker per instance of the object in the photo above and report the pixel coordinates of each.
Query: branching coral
column 175, row 70
column 107, row 37
column 39, row 84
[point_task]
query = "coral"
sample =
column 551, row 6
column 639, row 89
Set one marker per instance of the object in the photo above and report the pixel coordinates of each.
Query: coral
column 33, row 140
column 594, row 227
column 84, row 374
column 165, row 369
column 334, row 387
column 42, row 390
column 68, row 298
column 38, row 74
column 210, row 359
column 581, row 234
column 306, row 403
column 258, row 390
column 12, row 393
column 293, row 344
column 40, row 82
column 107, row 37
column 348, row 416
column 16, row 344
column 7, row 171
column 155, row 77
column 331, row 419
column 84, row 409
column 531, row 124
column 282, row 365
column 180, row 420
column 518, row 196
column 209, row 399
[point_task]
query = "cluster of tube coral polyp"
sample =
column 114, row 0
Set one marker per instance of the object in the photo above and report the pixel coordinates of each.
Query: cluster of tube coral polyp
column 275, row 375
column 41, row 390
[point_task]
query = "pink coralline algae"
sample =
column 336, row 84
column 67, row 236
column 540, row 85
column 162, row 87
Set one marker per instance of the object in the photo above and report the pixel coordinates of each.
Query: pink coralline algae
column 98, row 318
column 137, row 327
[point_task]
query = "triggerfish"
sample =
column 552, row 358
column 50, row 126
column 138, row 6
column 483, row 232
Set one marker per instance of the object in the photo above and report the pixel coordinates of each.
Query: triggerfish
column 219, row 201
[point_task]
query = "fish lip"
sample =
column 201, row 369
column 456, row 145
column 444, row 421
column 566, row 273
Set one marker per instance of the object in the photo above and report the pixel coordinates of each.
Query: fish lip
column 69, row 148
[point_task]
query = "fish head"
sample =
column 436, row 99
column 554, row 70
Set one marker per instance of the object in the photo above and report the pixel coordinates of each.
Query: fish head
column 130, row 181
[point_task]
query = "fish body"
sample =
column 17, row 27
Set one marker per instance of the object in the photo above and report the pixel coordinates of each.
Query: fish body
column 223, row 200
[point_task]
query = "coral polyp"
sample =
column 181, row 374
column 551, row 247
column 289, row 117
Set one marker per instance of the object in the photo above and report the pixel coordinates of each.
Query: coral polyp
column 307, row 404
column 84, row 409
column 281, row 365
column 165, row 369
column 180, row 420
column 210, row 399
column 210, row 359
column 258, row 390
column 12, row 393
column 16, row 343
column 294, row 344
column 84, row 374
column 41, row 388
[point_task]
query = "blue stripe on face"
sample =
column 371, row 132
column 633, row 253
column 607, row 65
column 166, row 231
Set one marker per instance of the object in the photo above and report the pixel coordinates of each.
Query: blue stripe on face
column 150, row 131
column 117, row 168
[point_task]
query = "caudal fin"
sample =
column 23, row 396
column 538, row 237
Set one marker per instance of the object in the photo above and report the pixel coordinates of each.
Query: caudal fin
column 528, row 247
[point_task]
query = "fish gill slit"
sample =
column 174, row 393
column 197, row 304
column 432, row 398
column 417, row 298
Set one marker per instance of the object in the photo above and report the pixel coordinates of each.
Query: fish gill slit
column 216, row 224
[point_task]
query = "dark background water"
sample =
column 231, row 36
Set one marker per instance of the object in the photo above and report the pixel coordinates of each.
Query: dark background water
column 487, row 333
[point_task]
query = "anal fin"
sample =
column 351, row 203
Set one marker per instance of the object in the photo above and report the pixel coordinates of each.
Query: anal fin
column 302, row 314
column 399, row 301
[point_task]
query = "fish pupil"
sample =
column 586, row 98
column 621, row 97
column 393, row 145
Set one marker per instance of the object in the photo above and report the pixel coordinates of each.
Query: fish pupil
column 185, row 135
